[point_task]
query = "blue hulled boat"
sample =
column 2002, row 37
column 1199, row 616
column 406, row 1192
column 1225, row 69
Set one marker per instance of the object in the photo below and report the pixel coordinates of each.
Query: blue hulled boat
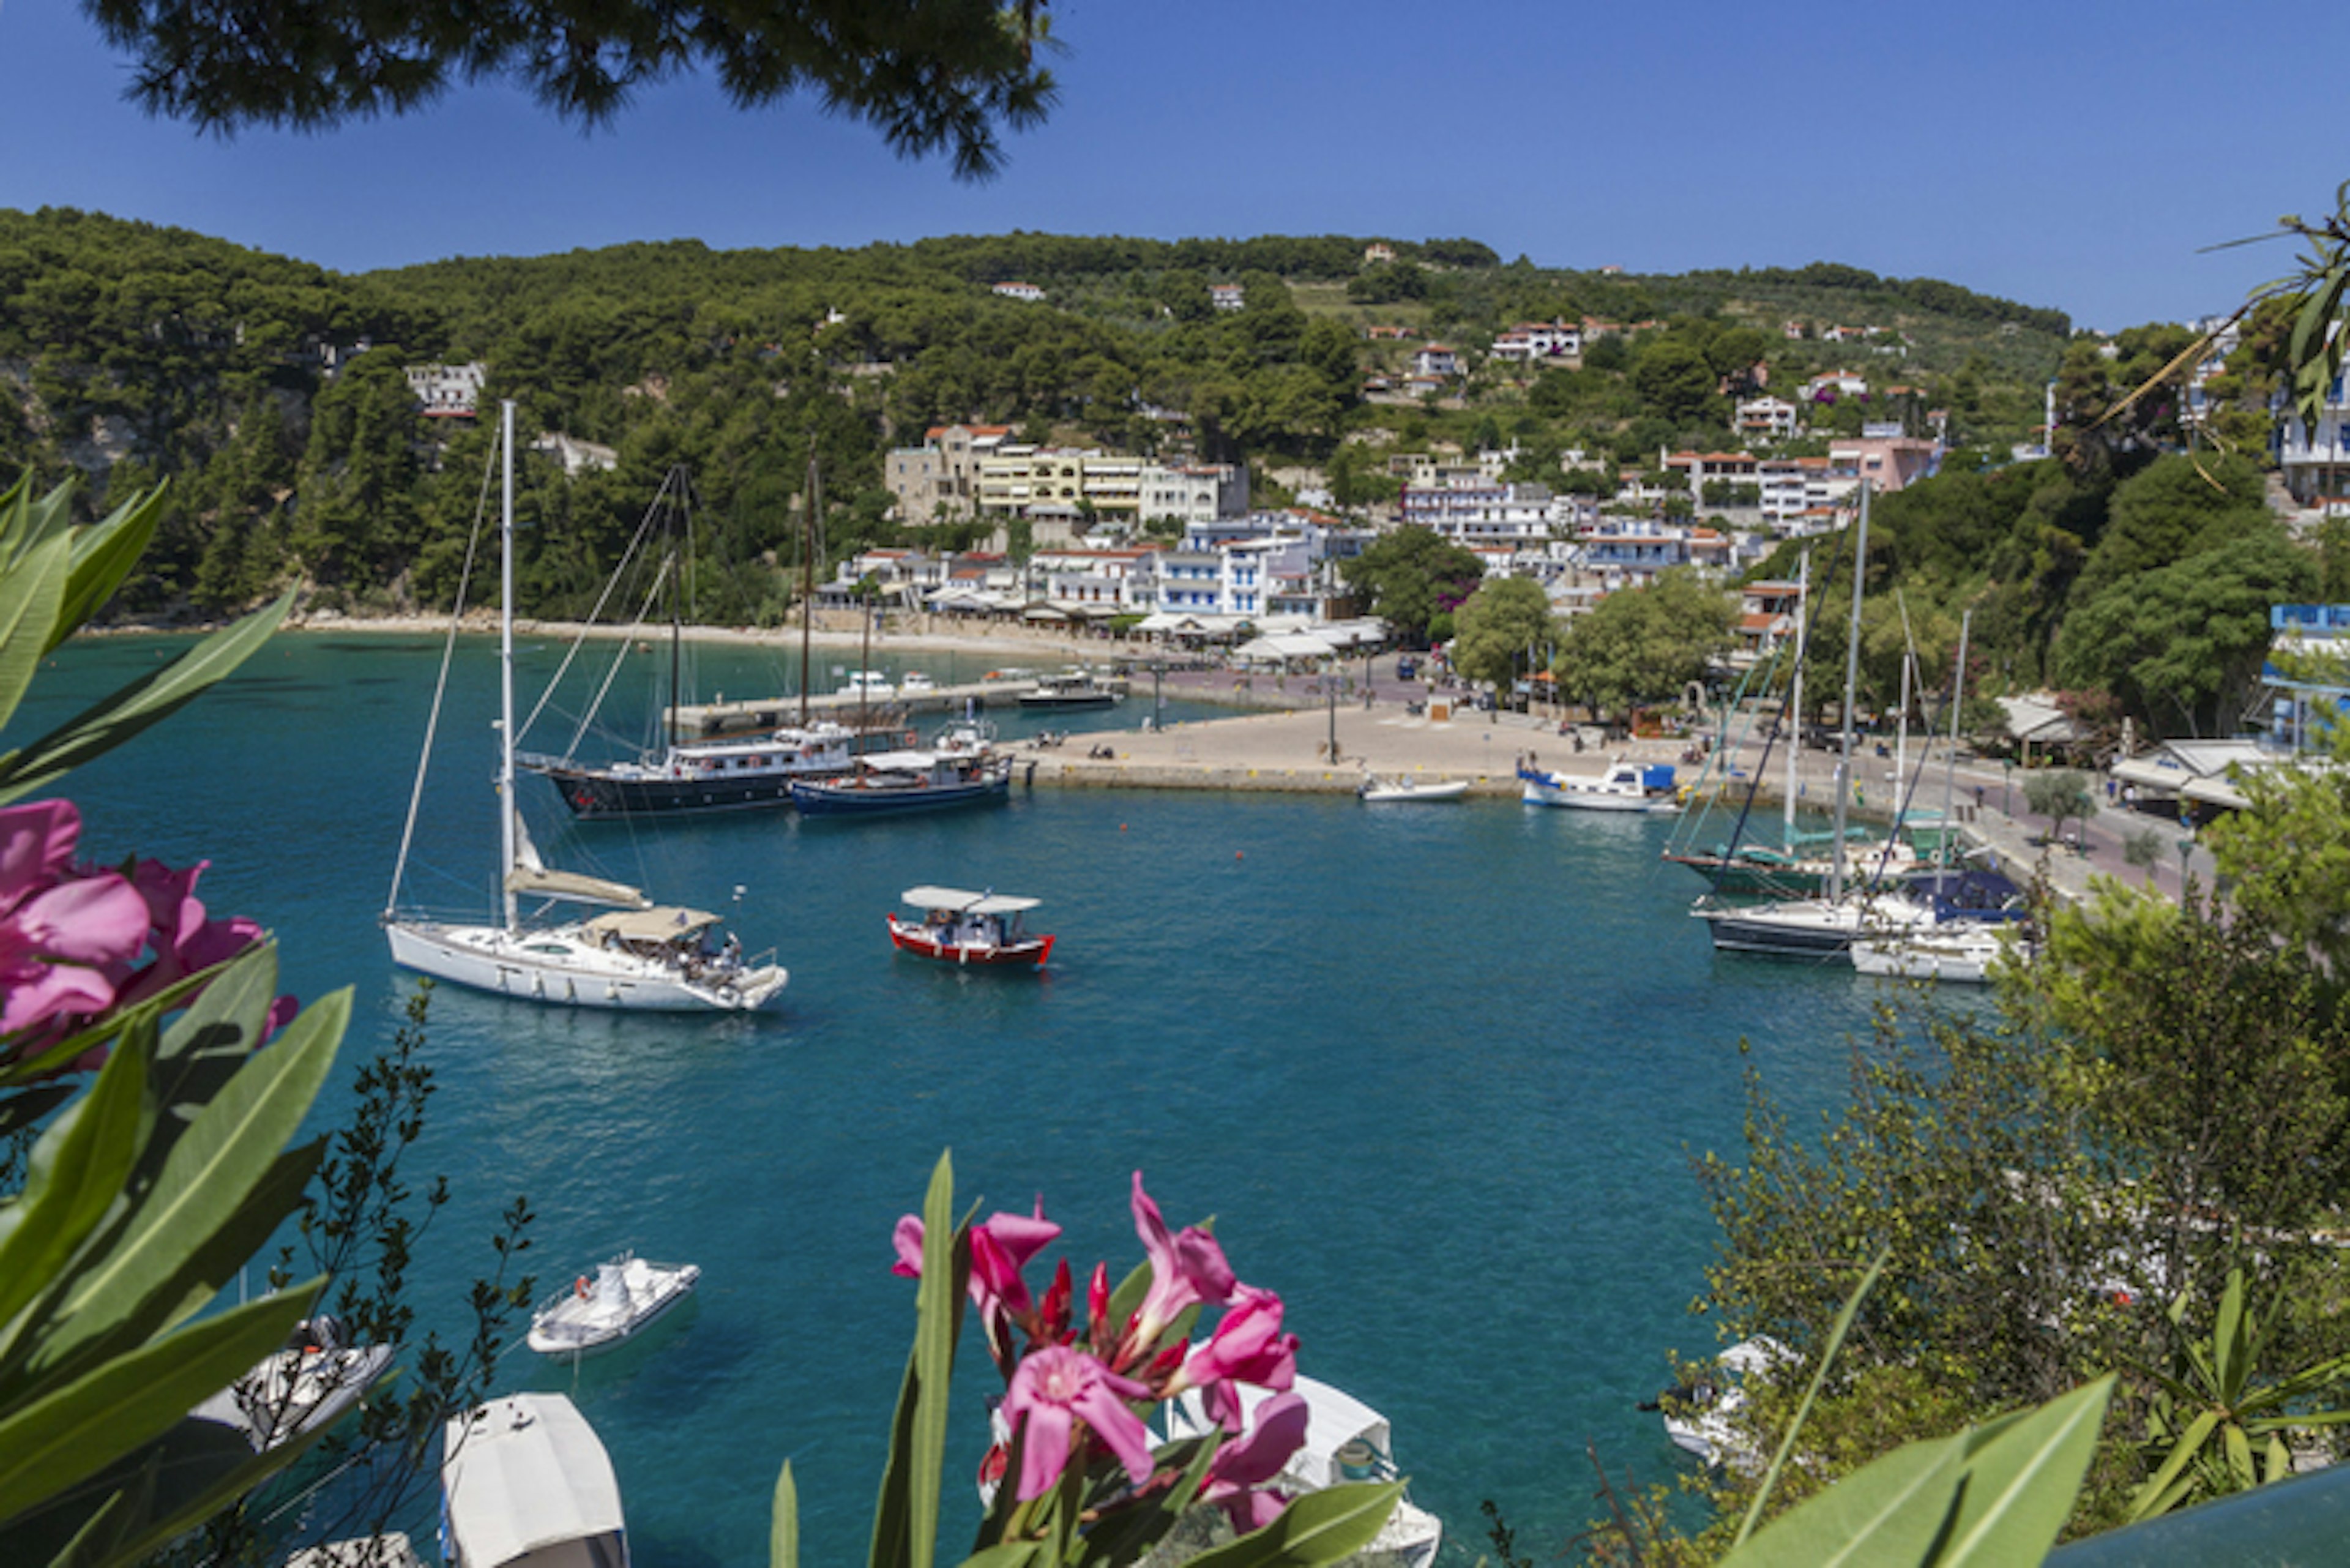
column 892, row 782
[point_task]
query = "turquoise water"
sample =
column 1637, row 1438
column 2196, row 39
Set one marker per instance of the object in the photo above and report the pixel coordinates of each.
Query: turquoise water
column 1437, row 1074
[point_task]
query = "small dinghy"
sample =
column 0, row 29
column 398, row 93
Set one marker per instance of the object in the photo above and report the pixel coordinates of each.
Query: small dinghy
column 1376, row 791
column 626, row 1297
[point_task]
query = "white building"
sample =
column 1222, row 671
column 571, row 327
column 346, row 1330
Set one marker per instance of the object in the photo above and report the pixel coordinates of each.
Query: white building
column 447, row 391
column 1022, row 291
column 1435, row 359
column 1531, row 342
column 1227, row 295
column 1194, row 492
column 1766, row 418
column 1482, row 513
column 2314, row 457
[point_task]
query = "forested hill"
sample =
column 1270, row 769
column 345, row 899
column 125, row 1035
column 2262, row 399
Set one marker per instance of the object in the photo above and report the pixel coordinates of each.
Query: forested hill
column 271, row 392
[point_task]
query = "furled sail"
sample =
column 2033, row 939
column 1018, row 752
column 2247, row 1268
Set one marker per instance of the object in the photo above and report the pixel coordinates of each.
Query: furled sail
column 530, row 874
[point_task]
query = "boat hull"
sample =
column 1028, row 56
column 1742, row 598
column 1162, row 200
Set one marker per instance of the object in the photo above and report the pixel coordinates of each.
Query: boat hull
column 486, row 958
column 593, row 796
column 1036, row 702
column 911, row 936
column 859, row 800
column 551, row 1335
column 1404, row 795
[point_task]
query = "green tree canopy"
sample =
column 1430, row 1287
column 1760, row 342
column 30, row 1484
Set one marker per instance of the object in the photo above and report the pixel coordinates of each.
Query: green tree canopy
column 927, row 74
column 1411, row 577
column 1504, row 622
column 1645, row 645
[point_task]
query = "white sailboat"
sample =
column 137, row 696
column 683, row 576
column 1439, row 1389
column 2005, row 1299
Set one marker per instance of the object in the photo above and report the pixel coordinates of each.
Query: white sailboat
column 1812, row 928
column 638, row 955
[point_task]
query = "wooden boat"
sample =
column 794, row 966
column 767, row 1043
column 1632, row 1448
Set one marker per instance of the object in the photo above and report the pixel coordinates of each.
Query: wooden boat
column 1376, row 791
column 906, row 780
column 959, row 926
column 524, row 1481
column 627, row 1296
column 1626, row 785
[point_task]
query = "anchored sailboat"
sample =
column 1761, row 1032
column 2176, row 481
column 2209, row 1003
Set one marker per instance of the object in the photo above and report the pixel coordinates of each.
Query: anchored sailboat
column 635, row 955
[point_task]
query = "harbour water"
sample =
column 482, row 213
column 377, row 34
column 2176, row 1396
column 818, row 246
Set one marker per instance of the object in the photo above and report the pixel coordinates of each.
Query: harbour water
column 1437, row 1074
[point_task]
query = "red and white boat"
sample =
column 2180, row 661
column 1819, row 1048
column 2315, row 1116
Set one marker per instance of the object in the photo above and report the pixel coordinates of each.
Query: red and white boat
column 959, row 927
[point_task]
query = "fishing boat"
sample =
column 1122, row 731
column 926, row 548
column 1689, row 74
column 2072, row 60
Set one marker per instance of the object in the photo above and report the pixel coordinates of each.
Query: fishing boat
column 627, row 1296
column 636, row 955
column 892, row 782
column 1376, row 791
column 316, row 1380
column 523, row 1479
column 959, row 926
column 1345, row 1440
column 1069, row 691
column 1626, row 785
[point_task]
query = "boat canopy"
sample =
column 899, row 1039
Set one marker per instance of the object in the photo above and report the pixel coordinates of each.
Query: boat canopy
column 967, row 902
column 525, row 1472
column 654, row 923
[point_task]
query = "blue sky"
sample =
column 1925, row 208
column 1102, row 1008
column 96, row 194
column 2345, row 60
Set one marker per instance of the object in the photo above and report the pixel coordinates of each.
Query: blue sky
column 2071, row 155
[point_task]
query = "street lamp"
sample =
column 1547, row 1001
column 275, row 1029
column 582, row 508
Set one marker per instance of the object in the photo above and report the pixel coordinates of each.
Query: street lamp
column 2007, row 786
column 2185, row 852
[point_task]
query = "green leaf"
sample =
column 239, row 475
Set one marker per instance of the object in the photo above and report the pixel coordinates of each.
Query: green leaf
column 906, row 1515
column 80, row 1428
column 938, row 1317
column 784, row 1526
column 74, row 1176
column 161, row 1254
column 1811, row 1394
column 209, row 1043
column 117, row 718
column 1319, row 1528
column 1890, row 1510
column 30, row 594
column 102, row 557
column 2022, row 1479
column 1012, row 1554
column 2157, row 1495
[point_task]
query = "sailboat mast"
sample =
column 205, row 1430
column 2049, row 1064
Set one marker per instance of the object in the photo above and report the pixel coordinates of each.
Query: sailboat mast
column 1958, row 701
column 807, row 579
column 1795, row 703
column 677, row 559
column 1851, row 684
column 505, row 663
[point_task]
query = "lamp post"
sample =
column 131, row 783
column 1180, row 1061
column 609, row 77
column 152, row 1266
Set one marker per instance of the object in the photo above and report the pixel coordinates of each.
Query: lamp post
column 2007, row 786
column 2185, row 852
column 1330, row 693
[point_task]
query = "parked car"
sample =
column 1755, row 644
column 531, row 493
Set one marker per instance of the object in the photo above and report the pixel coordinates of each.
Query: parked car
column 1406, row 669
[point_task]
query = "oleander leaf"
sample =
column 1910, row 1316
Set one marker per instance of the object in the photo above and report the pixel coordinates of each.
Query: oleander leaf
column 1319, row 1528
column 73, row 1180
column 78, row 1429
column 1890, row 1510
column 115, row 719
column 31, row 593
column 783, row 1522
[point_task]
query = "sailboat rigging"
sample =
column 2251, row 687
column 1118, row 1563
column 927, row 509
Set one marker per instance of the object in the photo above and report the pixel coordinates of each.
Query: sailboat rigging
column 636, row 955
column 733, row 772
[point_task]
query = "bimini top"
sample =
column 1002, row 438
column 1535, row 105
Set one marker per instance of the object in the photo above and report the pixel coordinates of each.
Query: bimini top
column 967, row 903
column 658, row 923
column 524, row 1472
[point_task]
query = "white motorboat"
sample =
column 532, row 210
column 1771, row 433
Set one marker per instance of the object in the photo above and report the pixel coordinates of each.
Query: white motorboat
column 637, row 956
column 1960, row 952
column 1072, row 689
column 1376, row 791
column 627, row 1296
column 524, row 1481
column 313, row 1382
column 1702, row 1425
column 1626, row 785
column 868, row 683
column 915, row 683
column 1345, row 1440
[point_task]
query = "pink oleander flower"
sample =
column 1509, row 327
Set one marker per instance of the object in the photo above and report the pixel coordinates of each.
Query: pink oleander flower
column 1248, row 1347
column 1054, row 1389
column 1186, row 1270
column 1001, row 1246
column 1237, row 1476
column 62, row 930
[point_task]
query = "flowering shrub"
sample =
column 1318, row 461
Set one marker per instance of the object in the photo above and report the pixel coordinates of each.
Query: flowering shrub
column 131, row 1032
column 78, row 942
column 1091, row 1482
